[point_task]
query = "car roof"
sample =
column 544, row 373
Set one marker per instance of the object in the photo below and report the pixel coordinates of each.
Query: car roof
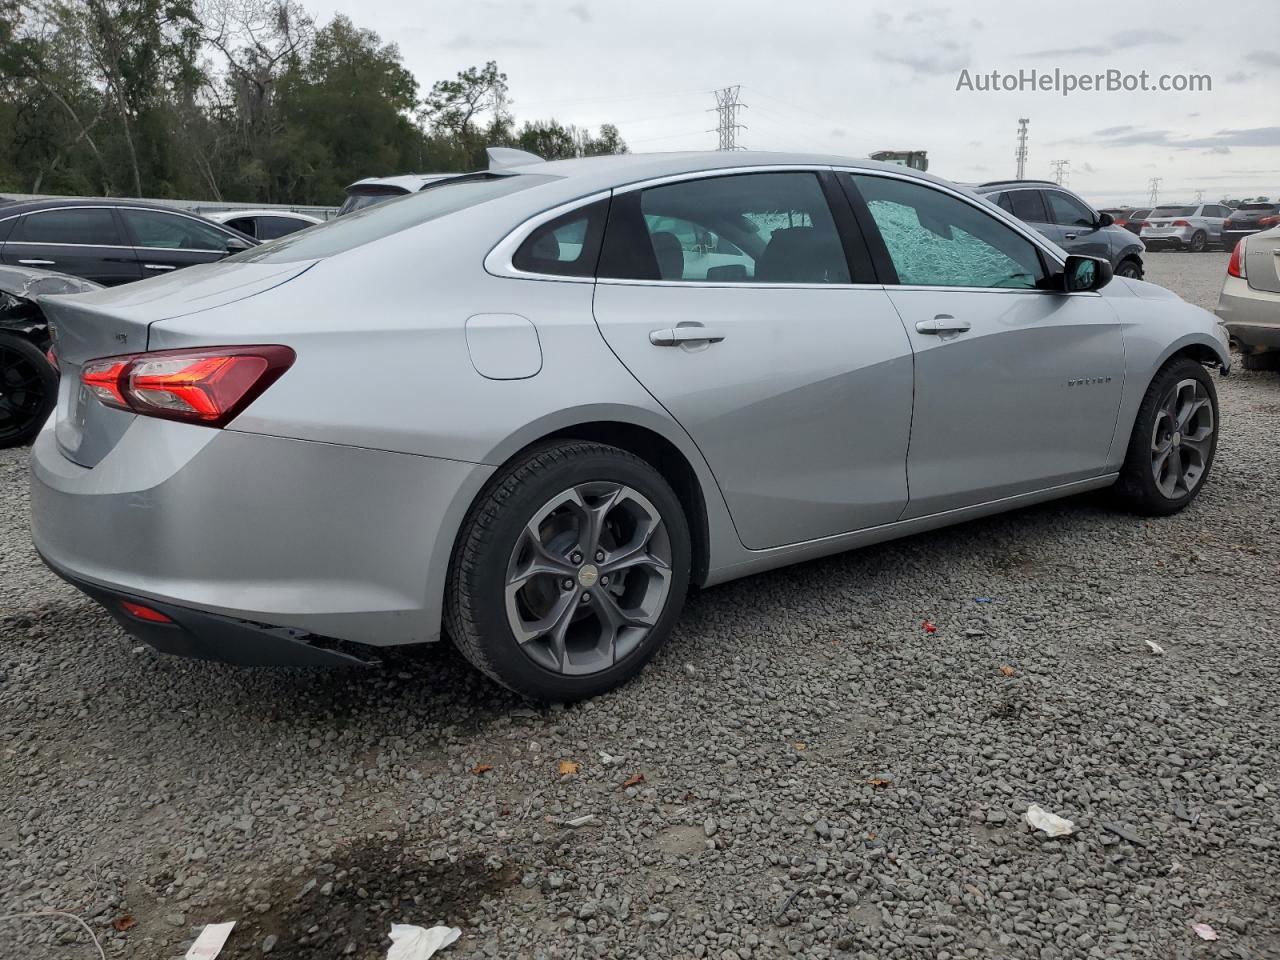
column 994, row 184
column 222, row 216
column 50, row 203
column 408, row 182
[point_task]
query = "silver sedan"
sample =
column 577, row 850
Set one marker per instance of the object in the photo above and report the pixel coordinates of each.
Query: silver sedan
column 531, row 407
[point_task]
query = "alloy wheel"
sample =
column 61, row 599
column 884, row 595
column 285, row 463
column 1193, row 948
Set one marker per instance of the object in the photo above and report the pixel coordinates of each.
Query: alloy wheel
column 1182, row 439
column 588, row 577
column 21, row 393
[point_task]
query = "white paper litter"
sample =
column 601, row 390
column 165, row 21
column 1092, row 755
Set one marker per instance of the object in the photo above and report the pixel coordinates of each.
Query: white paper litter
column 1050, row 823
column 209, row 944
column 1204, row 931
column 418, row 943
column 1155, row 647
column 582, row 821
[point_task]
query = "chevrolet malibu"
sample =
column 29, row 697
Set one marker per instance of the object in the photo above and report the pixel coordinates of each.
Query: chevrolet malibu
column 530, row 407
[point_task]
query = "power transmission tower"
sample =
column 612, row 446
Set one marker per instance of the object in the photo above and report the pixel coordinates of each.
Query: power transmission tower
column 1154, row 200
column 1021, row 154
column 1061, row 172
column 727, row 106
column 1199, row 196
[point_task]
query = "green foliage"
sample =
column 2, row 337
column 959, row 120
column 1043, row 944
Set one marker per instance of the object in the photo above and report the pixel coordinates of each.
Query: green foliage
column 235, row 100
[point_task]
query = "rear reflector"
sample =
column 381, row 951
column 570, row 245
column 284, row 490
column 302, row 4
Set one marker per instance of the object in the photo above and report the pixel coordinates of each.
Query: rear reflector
column 210, row 385
column 140, row 612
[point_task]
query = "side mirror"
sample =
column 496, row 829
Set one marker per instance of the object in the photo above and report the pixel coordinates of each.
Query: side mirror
column 235, row 245
column 1105, row 220
column 1082, row 274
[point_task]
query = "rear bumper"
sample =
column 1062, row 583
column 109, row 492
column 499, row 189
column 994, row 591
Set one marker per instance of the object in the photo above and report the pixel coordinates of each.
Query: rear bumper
column 1251, row 317
column 207, row 636
column 324, row 539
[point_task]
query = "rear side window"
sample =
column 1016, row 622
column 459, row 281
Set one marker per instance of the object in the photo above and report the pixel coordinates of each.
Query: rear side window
column 743, row 228
column 567, row 246
column 244, row 225
column 938, row 240
column 168, row 231
column 400, row 213
column 1028, row 206
column 268, row 228
column 94, row 226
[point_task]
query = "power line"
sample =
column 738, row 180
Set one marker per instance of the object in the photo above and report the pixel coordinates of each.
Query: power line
column 669, row 136
column 727, row 106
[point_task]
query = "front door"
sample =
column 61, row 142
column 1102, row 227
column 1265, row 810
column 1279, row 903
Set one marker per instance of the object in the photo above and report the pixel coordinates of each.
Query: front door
column 1078, row 228
column 1017, row 388
column 733, row 300
column 82, row 241
column 170, row 241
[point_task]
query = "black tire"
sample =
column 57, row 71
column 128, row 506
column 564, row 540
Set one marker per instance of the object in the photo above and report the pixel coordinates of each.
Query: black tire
column 1137, row 487
column 475, row 603
column 28, row 390
column 1130, row 267
column 1199, row 240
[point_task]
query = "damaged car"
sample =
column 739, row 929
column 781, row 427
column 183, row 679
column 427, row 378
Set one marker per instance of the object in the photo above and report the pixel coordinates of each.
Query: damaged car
column 28, row 374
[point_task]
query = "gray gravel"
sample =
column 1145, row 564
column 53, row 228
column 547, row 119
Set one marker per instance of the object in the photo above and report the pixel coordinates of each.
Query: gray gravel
column 803, row 771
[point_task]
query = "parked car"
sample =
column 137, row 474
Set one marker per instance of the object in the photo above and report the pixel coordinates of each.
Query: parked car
column 1187, row 226
column 517, row 407
column 265, row 224
column 1068, row 221
column 28, row 377
column 1248, row 219
column 1249, row 305
column 111, row 241
column 372, row 190
column 1133, row 219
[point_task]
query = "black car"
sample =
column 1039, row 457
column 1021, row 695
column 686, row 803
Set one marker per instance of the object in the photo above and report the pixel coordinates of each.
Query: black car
column 28, row 378
column 110, row 241
column 1247, row 219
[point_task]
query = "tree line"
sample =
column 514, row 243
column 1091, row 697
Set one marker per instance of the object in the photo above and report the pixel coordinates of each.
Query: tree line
column 238, row 100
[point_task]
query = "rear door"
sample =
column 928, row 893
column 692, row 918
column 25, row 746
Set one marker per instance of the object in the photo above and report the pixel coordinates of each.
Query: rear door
column 82, row 241
column 1078, row 230
column 1017, row 389
column 170, row 241
column 784, row 359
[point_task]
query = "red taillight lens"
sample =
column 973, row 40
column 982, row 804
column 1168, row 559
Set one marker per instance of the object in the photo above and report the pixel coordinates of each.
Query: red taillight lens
column 1235, row 266
column 1180, row 223
column 1268, row 221
column 140, row 612
column 1122, row 223
column 209, row 385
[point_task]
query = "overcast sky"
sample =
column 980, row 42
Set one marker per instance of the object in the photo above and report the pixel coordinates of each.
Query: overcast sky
column 854, row 77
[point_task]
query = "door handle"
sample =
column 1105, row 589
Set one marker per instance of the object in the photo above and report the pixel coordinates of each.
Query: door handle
column 675, row 336
column 158, row 266
column 1071, row 236
column 38, row 263
column 943, row 323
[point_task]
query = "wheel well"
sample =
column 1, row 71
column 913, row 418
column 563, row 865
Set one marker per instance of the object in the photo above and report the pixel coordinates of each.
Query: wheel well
column 1195, row 351
column 663, row 456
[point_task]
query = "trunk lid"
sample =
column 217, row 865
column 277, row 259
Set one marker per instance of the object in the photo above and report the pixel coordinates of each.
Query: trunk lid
column 1262, row 261
column 117, row 320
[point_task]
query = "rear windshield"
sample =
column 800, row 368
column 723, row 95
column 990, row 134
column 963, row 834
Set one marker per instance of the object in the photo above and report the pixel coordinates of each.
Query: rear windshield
column 396, row 214
column 1172, row 212
column 1256, row 206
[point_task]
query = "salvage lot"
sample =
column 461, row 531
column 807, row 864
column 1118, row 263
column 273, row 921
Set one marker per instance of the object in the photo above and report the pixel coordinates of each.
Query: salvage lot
column 803, row 770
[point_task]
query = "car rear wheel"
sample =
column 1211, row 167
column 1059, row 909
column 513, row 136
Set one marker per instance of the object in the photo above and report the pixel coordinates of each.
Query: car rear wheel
column 1199, row 240
column 28, row 390
column 570, row 571
column 1173, row 442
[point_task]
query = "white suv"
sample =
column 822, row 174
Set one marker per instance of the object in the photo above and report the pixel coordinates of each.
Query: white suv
column 1185, row 226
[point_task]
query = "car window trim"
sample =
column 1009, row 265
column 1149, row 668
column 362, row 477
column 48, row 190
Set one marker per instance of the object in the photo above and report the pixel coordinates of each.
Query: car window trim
column 120, row 224
column 1047, row 255
column 498, row 261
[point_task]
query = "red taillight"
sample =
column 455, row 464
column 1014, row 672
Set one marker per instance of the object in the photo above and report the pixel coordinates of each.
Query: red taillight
column 1180, row 223
column 1235, row 266
column 210, row 385
column 1268, row 221
column 52, row 356
column 140, row 612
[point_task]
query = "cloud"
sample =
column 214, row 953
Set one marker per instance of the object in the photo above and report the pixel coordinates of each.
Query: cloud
column 837, row 132
column 1087, row 167
column 580, row 11
column 1265, row 58
column 1239, row 76
column 1124, row 40
column 1114, row 131
column 915, row 45
column 1246, row 137
column 882, row 19
column 465, row 41
column 1218, row 149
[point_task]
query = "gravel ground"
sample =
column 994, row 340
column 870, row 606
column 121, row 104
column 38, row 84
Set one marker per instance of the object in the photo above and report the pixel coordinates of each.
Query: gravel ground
column 803, row 770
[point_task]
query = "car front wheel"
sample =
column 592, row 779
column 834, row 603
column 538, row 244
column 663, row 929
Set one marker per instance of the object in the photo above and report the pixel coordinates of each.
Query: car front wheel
column 1129, row 268
column 570, row 571
column 1173, row 442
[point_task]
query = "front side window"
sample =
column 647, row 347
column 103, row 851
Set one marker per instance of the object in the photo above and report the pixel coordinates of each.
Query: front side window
column 166, row 231
column 567, row 246
column 741, row 228
column 1068, row 211
column 93, row 226
column 937, row 240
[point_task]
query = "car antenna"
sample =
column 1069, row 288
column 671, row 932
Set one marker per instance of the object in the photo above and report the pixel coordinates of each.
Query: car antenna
column 500, row 158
